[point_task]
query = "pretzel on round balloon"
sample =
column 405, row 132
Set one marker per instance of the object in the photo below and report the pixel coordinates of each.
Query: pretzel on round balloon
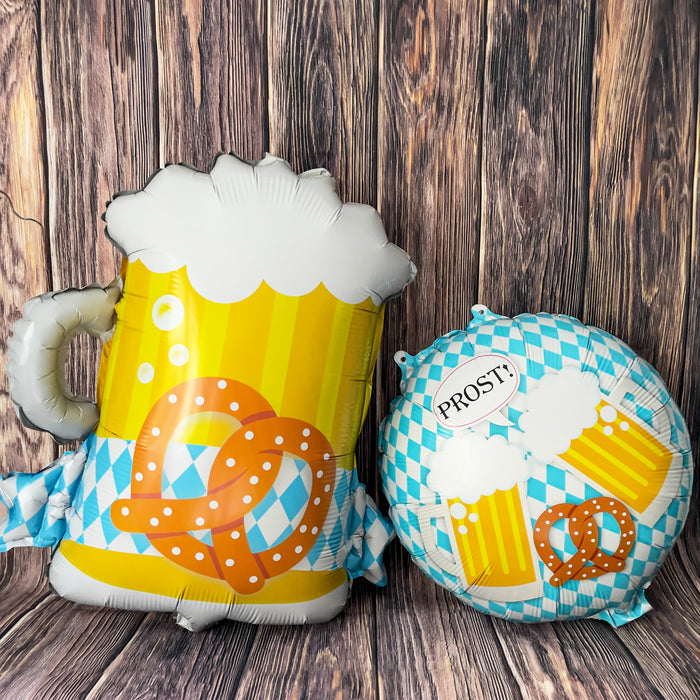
column 243, row 472
column 589, row 561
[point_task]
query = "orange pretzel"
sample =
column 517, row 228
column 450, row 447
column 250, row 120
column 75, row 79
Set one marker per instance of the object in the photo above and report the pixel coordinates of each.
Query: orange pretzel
column 242, row 474
column 589, row 561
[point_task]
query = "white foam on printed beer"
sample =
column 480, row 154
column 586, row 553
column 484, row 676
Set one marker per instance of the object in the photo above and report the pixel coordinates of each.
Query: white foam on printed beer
column 559, row 408
column 470, row 466
column 243, row 223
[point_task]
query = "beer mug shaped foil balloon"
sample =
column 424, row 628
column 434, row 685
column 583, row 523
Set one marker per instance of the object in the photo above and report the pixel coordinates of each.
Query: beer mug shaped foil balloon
column 537, row 468
column 216, row 477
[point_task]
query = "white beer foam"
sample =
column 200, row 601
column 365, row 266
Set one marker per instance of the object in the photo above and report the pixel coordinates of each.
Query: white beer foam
column 560, row 407
column 243, row 223
column 470, row 466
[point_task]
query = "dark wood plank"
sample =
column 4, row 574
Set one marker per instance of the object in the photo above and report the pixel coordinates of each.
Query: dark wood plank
column 323, row 90
column 579, row 659
column 164, row 660
column 212, row 80
column 24, row 271
column 61, row 649
column 690, row 389
column 100, row 138
column 430, row 67
column 430, row 645
column 319, row 661
column 23, row 247
column 642, row 163
column 535, row 152
column 212, row 95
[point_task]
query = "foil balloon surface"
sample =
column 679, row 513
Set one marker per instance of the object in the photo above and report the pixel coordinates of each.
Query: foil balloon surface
column 216, row 477
column 537, row 468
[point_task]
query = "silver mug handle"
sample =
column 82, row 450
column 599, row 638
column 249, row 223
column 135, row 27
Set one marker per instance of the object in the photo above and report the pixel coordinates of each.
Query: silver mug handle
column 37, row 355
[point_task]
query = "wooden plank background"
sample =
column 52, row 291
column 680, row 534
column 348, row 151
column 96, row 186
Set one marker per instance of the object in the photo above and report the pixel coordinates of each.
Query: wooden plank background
column 532, row 156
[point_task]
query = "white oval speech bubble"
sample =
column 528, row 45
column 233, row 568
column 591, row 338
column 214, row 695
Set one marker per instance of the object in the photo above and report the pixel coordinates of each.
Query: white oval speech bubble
column 474, row 390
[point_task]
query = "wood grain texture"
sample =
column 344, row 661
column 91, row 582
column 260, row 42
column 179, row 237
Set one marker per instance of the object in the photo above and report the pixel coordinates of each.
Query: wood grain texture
column 323, row 90
column 690, row 396
column 430, row 68
column 531, row 156
column 212, row 80
column 180, row 664
column 100, row 139
column 47, row 656
column 24, row 271
column 23, row 247
column 644, row 106
column 429, row 645
column 318, row 661
column 535, row 155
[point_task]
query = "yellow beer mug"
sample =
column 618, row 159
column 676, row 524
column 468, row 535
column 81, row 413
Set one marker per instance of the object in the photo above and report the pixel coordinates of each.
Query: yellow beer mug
column 219, row 481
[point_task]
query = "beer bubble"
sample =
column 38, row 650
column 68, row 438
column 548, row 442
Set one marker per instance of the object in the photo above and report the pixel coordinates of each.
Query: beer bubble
column 168, row 312
column 145, row 373
column 178, row 355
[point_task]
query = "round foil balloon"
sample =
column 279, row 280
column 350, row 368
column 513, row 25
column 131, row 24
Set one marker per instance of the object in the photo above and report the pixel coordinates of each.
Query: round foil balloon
column 537, row 468
column 217, row 477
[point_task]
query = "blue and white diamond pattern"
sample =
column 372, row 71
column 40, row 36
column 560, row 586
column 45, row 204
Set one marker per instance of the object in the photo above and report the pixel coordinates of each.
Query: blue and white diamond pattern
column 38, row 504
column 353, row 523
column 276, row 517
column 537, row 344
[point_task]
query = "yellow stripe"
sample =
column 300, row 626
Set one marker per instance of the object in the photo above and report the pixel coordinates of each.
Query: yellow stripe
column 599, row 475
column 498, row 532
column 121, row 408
column 480, row 540
column 607, row 457
column 350, row 400
column 639, row 446
column 333, row 373
column 517, row 521
column 159, row 576
column 379, row 327
column 246, row 337
column 279, row 348
column 309, row 355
